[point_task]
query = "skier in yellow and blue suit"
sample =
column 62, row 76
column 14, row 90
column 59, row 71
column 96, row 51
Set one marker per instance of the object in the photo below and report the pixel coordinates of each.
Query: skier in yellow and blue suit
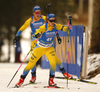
column 46, row 34
column 34, row 22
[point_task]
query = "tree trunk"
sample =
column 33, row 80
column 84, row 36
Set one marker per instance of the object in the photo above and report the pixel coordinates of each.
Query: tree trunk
column 95, row 34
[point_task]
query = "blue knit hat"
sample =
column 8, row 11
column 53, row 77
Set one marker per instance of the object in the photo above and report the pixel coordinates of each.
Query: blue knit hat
column 36, row 8
column 51, row 15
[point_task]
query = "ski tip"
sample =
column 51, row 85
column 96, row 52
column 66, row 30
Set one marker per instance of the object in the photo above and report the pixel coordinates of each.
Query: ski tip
column 92, row 82
column 67, row 87
column 16, row 86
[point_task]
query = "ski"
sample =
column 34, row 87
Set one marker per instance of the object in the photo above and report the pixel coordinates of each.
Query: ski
column 49, row 87
column 31, row 83
column 25, row 85
column 76, row 79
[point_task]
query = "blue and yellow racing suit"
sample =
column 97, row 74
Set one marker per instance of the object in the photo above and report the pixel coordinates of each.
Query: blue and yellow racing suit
column 34, row 26
column 44, row 46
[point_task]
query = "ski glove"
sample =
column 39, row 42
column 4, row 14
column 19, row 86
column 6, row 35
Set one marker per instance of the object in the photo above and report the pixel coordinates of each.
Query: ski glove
column 16, row 39
column 59, row 39
column 37, row 35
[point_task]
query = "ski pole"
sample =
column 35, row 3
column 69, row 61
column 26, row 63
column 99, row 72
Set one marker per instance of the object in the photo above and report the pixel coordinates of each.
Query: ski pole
column 69, row 17
column 34, row 2
column 47, row 6
column 22, row 63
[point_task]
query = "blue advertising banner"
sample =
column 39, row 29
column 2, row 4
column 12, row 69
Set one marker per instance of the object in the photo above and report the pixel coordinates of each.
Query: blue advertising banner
column 75, row 50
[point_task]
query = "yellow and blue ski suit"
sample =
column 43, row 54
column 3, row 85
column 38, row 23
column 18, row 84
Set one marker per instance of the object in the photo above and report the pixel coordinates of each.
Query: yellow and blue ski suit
column 34, row 26
column 44, row 46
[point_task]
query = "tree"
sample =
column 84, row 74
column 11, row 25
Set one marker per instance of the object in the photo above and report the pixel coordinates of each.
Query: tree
column 95, row 34
column 15, row 12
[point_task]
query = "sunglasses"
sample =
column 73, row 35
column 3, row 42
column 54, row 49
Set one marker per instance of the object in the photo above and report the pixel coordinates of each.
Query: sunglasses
column 52, row 20
column 37, row 12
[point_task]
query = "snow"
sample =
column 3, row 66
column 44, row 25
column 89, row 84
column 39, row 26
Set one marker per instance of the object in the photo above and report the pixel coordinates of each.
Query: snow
column 7, row 70
column 93, row 62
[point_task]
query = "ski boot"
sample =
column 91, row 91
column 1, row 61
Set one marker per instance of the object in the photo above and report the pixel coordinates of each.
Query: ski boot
column 69, row 76
column 21, row 80
column 33, row 79
column 51, row 83
column 19, row 83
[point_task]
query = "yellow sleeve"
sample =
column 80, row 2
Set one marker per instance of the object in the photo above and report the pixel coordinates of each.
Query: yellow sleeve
column 40, row 30
column 61, row 27
column 25, row 25
column 44, row 17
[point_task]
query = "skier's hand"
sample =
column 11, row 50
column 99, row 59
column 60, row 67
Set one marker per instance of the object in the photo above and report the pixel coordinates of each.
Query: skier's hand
column 70, row 27
column 37, row 35
column 16, row 39
column 69, row 16
column 59, row 39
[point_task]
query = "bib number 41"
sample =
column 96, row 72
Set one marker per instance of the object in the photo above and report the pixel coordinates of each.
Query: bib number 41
column 49, row 39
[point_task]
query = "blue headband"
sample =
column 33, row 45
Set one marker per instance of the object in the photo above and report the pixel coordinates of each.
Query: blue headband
column 36, row 8
column 51, row 15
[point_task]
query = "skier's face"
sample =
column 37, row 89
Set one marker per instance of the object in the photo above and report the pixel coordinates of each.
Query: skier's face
column 37, row 14
column 51, row 21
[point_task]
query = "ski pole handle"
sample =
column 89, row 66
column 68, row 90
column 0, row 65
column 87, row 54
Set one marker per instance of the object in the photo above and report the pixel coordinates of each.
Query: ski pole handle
column 69, row 17
column 47, row 6
column 34, row 2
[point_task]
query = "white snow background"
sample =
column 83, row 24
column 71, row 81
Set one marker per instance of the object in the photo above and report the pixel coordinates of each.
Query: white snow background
column 7, row 70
